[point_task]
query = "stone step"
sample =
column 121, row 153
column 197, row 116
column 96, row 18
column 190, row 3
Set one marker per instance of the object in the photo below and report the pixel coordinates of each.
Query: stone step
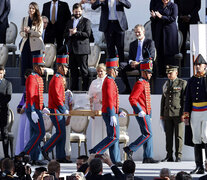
column 16, row 84
column 12, row 72
column 185, row 72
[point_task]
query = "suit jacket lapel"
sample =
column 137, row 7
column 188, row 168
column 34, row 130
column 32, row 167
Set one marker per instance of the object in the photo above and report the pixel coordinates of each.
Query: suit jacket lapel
column 2, row 83
column 79, row 23
column 135, row 47
column 175, row 82
column 59, row 8
column 144, row 46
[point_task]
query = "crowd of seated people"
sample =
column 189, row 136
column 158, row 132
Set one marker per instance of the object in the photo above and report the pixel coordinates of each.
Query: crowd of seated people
column 93, row 166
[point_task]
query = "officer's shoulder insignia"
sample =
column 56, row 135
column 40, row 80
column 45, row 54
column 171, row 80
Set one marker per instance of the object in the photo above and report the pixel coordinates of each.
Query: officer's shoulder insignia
column 181, row 80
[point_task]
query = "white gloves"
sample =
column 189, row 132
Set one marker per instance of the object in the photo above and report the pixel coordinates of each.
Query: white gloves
column 66, row 112
column 122, row 114
column 141, row 114
column 46, row 110
column 113, row 121
column 34, row 117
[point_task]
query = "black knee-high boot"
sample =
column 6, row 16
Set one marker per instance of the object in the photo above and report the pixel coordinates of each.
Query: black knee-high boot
column 198, row 160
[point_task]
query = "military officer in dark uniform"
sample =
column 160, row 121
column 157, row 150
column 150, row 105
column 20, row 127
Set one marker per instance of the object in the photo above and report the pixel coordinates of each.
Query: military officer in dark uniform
column 196, row 111
column 172, row 104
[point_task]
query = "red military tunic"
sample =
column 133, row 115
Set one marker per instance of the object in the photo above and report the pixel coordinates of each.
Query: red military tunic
column 140, row 98
column 57, row 93
column 34, row 92
column 110, row 97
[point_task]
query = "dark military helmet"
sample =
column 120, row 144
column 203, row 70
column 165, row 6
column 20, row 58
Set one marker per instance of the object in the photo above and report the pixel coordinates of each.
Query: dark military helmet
column 200, row 60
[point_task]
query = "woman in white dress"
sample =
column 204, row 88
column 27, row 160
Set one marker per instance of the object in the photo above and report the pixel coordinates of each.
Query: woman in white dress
column 95, row 95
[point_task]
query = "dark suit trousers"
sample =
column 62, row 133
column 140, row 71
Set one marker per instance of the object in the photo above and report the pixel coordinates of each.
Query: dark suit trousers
column 79, row 60
column 173, row 125
column 52, row 35
column 124, row 68
column 4, row 130
column 114, row 36
column 3, row 27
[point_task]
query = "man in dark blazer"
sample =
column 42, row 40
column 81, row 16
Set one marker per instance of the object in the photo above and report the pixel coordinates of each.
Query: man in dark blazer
column 55, row 29
column 4, row 12
column 187, row 14
column 77, row 34
column 147, row 50
column 5, row 97
column 113, row 23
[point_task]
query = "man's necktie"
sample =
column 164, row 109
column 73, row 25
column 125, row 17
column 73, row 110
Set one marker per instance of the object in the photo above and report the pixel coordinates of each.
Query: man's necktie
column 139, row 51
column 53, row 13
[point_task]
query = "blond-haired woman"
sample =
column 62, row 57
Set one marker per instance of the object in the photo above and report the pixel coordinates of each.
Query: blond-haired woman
column 95, row 95
column 31, row 33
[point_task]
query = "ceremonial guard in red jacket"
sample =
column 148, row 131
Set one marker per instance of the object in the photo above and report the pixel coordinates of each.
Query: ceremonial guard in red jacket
column 34, row 107
column 56, row 104
column 110, row 112
column 140, row 101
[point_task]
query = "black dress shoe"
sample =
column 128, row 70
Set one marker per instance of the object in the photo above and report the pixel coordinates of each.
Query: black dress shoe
column 45, row 155
column 63, row 161
column 178, row 159
column 22, row 154
column 149, row 160
column 91, row 151
column 128, row 152
column 197, row 170
column 119, row 164
column 168, row 159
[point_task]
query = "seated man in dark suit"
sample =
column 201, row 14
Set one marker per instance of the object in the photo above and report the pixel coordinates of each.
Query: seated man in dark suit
column 139, row 50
